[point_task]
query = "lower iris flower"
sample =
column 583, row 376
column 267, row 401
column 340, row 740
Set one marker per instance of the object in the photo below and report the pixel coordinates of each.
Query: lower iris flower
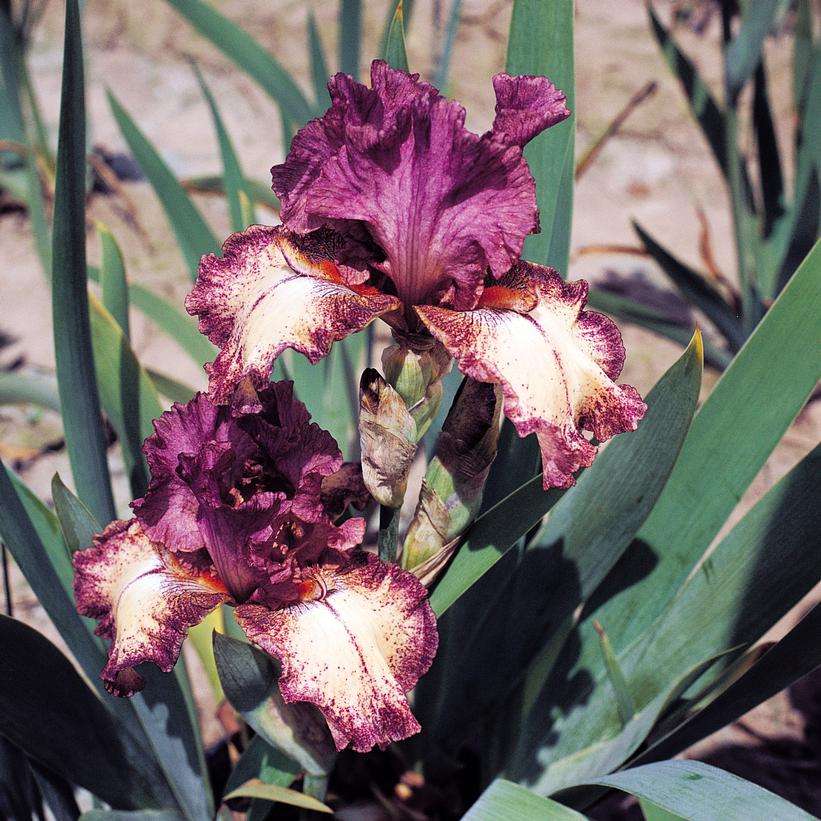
column 243, row 509
column 391, row 208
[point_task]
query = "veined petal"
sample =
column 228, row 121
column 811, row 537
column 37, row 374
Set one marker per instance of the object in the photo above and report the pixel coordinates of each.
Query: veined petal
column 442, row 203
column 270, row 291
column 360, row 639
column 554, row 361
column 526, row 106
column 144, row 598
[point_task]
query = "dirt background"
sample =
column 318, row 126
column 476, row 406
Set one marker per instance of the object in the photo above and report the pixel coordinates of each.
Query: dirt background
column 657, row 170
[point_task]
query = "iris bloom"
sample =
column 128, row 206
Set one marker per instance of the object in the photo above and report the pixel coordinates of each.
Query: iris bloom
column 391, row 208
column 243, row 509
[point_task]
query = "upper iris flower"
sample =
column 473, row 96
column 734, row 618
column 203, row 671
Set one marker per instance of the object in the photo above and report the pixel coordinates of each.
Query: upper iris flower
column 241, row 509
column 392, row 208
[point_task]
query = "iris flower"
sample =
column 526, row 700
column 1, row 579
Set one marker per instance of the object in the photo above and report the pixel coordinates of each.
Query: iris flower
column 392, row 208
column 243, row 509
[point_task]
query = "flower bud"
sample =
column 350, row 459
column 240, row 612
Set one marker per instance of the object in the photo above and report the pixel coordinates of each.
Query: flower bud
column 388, row 439
column 414, row 366
column 455, row 480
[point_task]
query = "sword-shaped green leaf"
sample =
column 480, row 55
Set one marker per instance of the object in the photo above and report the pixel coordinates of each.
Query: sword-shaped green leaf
column 193, row 235
column 79, row 399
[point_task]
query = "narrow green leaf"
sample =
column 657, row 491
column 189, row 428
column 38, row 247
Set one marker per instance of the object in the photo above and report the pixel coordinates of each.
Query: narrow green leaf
column 696, row 289
column 273, row 792
column 179, row 326
column 11, row 121
column 582, row 763
column 651, row 812
column 702, row 104
column 287, row 127
column 350, row 34
column 731, row 437
column 261, row 760
column 802, row 53
column 126, row 391
column 758, row 572
column 232, row 172
column 79, row 527
column 624, row 701
column 158, row 718
column 23, row 386
column 319, row 66
column 249, row 679
column 259, row 192
column 629, row 474
column 243, row 50
column 170, row 388
column 48, row 711
column 628, row 310
column 82, row 423
column 800, row 222
column 769, row 160
column 699, row 792
column 395, row 53
column 113, row 280
column 796, row 655
column 193, row 235
column 201, row 637
column 44, row 560
column 443, row 66
column 541, row 42
column 744, row 51
column 506, row 801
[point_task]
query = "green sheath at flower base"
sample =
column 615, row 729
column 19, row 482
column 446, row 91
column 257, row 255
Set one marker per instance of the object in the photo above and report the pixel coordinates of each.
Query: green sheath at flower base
column 415, row 367
column 455, row 480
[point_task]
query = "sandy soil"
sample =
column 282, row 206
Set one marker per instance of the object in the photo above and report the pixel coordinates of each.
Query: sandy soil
column 658, row 171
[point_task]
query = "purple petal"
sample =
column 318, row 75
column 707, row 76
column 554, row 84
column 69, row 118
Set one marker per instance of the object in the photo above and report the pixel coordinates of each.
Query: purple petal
column 526, row 106
column 243, row 490
column 442, row 203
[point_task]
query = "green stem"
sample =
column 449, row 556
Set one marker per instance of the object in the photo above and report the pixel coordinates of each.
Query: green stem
column 388, row 533
column 316, row 786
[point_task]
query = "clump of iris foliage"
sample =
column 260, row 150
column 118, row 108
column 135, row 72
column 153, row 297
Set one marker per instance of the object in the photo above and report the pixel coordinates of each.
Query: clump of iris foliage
column 543, row 623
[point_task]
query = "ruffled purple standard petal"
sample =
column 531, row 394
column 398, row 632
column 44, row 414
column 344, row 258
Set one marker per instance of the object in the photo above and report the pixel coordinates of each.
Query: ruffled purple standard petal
column 169, row 511
column 526, row 106
column 441, row 202
column 240, row 489
column 144, row 598
column 272, row 290
column 361, row 636
column 555, row 362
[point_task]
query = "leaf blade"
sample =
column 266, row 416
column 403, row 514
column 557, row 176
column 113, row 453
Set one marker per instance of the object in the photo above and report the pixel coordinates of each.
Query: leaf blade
column 395, row 53
column 193, row 235
column 247, row 54
column 79, row 398
column 700, row 792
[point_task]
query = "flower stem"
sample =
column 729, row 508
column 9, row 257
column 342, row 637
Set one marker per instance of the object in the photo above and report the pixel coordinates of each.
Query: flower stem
column 388, row 533
column 316, row 786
